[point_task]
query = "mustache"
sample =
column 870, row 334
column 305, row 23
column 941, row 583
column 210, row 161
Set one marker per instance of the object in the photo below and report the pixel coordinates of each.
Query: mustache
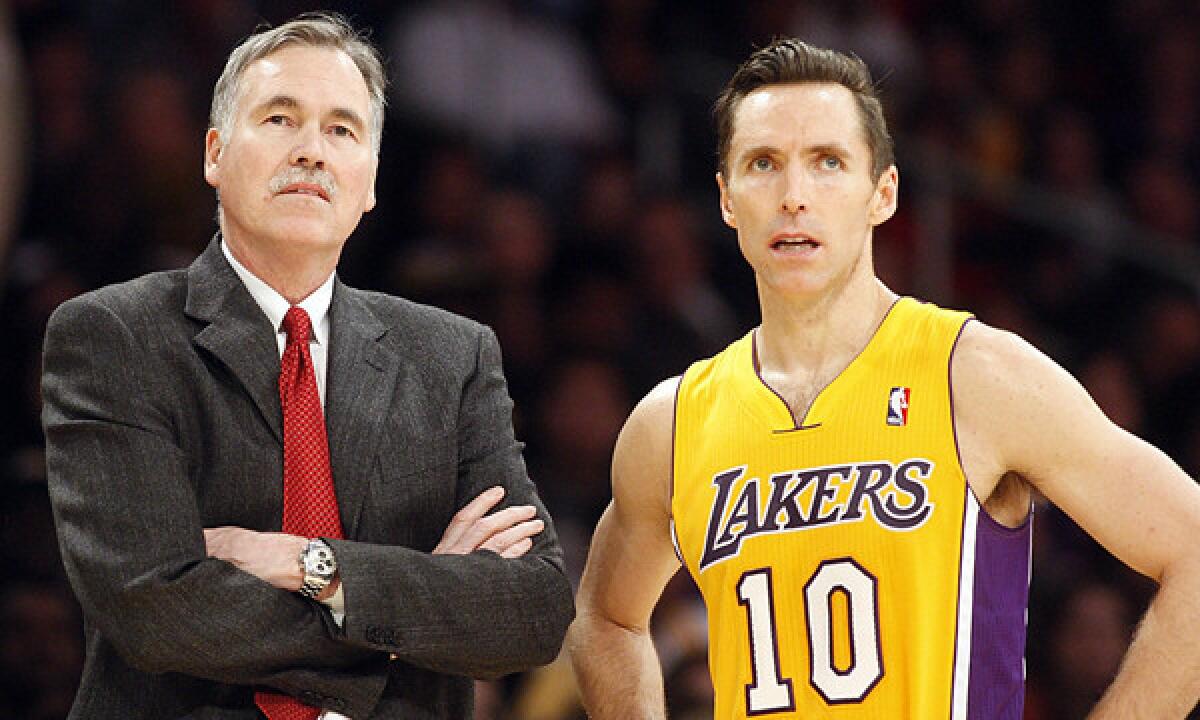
column 315, row 176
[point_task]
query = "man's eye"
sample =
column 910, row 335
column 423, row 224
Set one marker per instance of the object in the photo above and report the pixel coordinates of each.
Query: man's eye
column 763, row 164
column 342, row 131
column 831, row 162
column 277, row 119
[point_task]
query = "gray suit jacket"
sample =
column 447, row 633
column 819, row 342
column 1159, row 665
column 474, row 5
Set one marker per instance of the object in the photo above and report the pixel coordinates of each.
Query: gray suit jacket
column 162, row 417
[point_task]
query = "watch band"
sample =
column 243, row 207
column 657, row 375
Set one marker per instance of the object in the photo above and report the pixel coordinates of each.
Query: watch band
column 312, row 587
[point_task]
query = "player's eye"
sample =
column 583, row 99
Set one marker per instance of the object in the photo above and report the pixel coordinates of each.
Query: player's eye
column 762, row 164
column 831, row 162
column 342, row 131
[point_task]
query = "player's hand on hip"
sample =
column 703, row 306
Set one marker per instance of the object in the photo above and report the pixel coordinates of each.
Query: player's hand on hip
column 508, row 532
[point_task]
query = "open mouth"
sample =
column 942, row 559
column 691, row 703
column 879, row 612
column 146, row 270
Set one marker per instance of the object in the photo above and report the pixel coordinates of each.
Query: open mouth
column 794, row 243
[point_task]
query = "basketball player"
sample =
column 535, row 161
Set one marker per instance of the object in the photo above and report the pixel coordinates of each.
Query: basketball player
column 850, row 483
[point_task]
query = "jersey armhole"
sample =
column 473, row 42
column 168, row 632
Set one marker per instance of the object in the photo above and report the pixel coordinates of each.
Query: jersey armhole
column 962, row 468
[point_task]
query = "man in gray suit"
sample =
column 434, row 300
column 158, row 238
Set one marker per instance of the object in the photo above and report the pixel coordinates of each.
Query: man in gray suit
column 167, row 443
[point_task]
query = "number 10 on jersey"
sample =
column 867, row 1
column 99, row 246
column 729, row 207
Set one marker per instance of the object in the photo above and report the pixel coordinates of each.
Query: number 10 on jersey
column 768, row 690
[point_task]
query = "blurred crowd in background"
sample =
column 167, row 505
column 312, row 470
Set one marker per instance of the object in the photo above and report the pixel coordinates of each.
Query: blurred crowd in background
column 547, row 168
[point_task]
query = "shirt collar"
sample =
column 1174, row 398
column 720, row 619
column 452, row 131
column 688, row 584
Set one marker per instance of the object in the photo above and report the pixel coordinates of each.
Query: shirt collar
column 275, row 306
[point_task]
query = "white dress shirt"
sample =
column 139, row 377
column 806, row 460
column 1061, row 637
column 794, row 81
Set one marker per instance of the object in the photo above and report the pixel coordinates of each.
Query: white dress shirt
column 275, row 306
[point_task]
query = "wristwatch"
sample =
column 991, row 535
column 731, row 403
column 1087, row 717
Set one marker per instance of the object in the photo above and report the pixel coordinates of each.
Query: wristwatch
column 318, row 565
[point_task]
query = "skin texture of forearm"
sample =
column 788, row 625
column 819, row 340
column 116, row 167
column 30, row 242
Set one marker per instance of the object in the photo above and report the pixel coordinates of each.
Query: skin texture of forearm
column 1160, row 677
column 618, row 670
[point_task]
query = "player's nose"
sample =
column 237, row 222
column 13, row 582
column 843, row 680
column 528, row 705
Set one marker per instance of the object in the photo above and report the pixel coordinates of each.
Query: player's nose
column 795, row 190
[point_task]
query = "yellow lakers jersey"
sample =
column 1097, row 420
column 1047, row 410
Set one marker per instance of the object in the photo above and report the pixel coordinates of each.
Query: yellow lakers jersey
column 845, row 564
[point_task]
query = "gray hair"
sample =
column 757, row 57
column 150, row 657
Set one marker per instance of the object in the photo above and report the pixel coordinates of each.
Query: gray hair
column 311, row 30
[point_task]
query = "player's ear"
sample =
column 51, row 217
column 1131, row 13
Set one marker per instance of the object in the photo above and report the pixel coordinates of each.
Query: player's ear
column 726, row 206
column 887, row 189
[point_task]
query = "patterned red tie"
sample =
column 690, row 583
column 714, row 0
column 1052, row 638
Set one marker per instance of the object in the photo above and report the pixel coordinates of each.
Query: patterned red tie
column 309, row 503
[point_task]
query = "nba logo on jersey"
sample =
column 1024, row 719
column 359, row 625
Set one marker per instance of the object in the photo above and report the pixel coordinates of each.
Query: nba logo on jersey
column 897, row 411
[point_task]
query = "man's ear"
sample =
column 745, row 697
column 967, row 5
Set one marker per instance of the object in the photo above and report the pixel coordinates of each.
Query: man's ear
column 371, row 190
column 726, row 206
column 887, row 190
column 212, row 157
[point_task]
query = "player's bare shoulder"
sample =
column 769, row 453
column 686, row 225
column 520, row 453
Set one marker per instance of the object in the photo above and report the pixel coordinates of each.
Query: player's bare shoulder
column 996, row 373
column 988, row 358
column 1015, row 405
column 655, row 413
column 643, row 458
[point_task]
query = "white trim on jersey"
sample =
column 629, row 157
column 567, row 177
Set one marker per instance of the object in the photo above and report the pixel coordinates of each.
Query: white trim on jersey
column 966, row 604
column 675, row 543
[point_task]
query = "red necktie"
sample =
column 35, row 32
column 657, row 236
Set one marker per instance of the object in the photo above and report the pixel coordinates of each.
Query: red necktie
column 309, row 503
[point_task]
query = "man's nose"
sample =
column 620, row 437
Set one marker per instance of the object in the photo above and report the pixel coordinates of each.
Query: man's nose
column 309, row 149
column 795, row 190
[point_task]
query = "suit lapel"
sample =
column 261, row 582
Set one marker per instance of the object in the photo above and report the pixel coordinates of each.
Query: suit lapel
column 359, row 385
column 360, row 377
column 238, row 333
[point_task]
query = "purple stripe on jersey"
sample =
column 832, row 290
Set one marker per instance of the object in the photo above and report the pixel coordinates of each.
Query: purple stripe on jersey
column 997, row 683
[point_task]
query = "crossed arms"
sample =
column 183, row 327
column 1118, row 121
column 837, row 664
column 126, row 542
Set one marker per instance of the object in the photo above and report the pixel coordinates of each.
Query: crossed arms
column 127, row 493
column 271, row 556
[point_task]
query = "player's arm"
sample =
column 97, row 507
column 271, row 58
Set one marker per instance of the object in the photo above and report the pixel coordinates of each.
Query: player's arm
column 630, row 561
column 1036, row 420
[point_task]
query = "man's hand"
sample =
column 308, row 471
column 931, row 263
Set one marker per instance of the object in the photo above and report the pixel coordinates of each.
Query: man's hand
column 272, row 557
column 508, row 532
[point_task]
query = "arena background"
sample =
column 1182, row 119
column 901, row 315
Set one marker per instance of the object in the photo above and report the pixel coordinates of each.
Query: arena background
column 547, row 168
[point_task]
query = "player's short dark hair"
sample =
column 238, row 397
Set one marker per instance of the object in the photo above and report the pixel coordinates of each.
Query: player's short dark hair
column 787, row 61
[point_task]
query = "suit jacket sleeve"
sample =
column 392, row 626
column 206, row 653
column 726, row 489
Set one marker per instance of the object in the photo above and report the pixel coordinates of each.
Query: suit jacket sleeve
column 479, row 615
column 131, row 533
